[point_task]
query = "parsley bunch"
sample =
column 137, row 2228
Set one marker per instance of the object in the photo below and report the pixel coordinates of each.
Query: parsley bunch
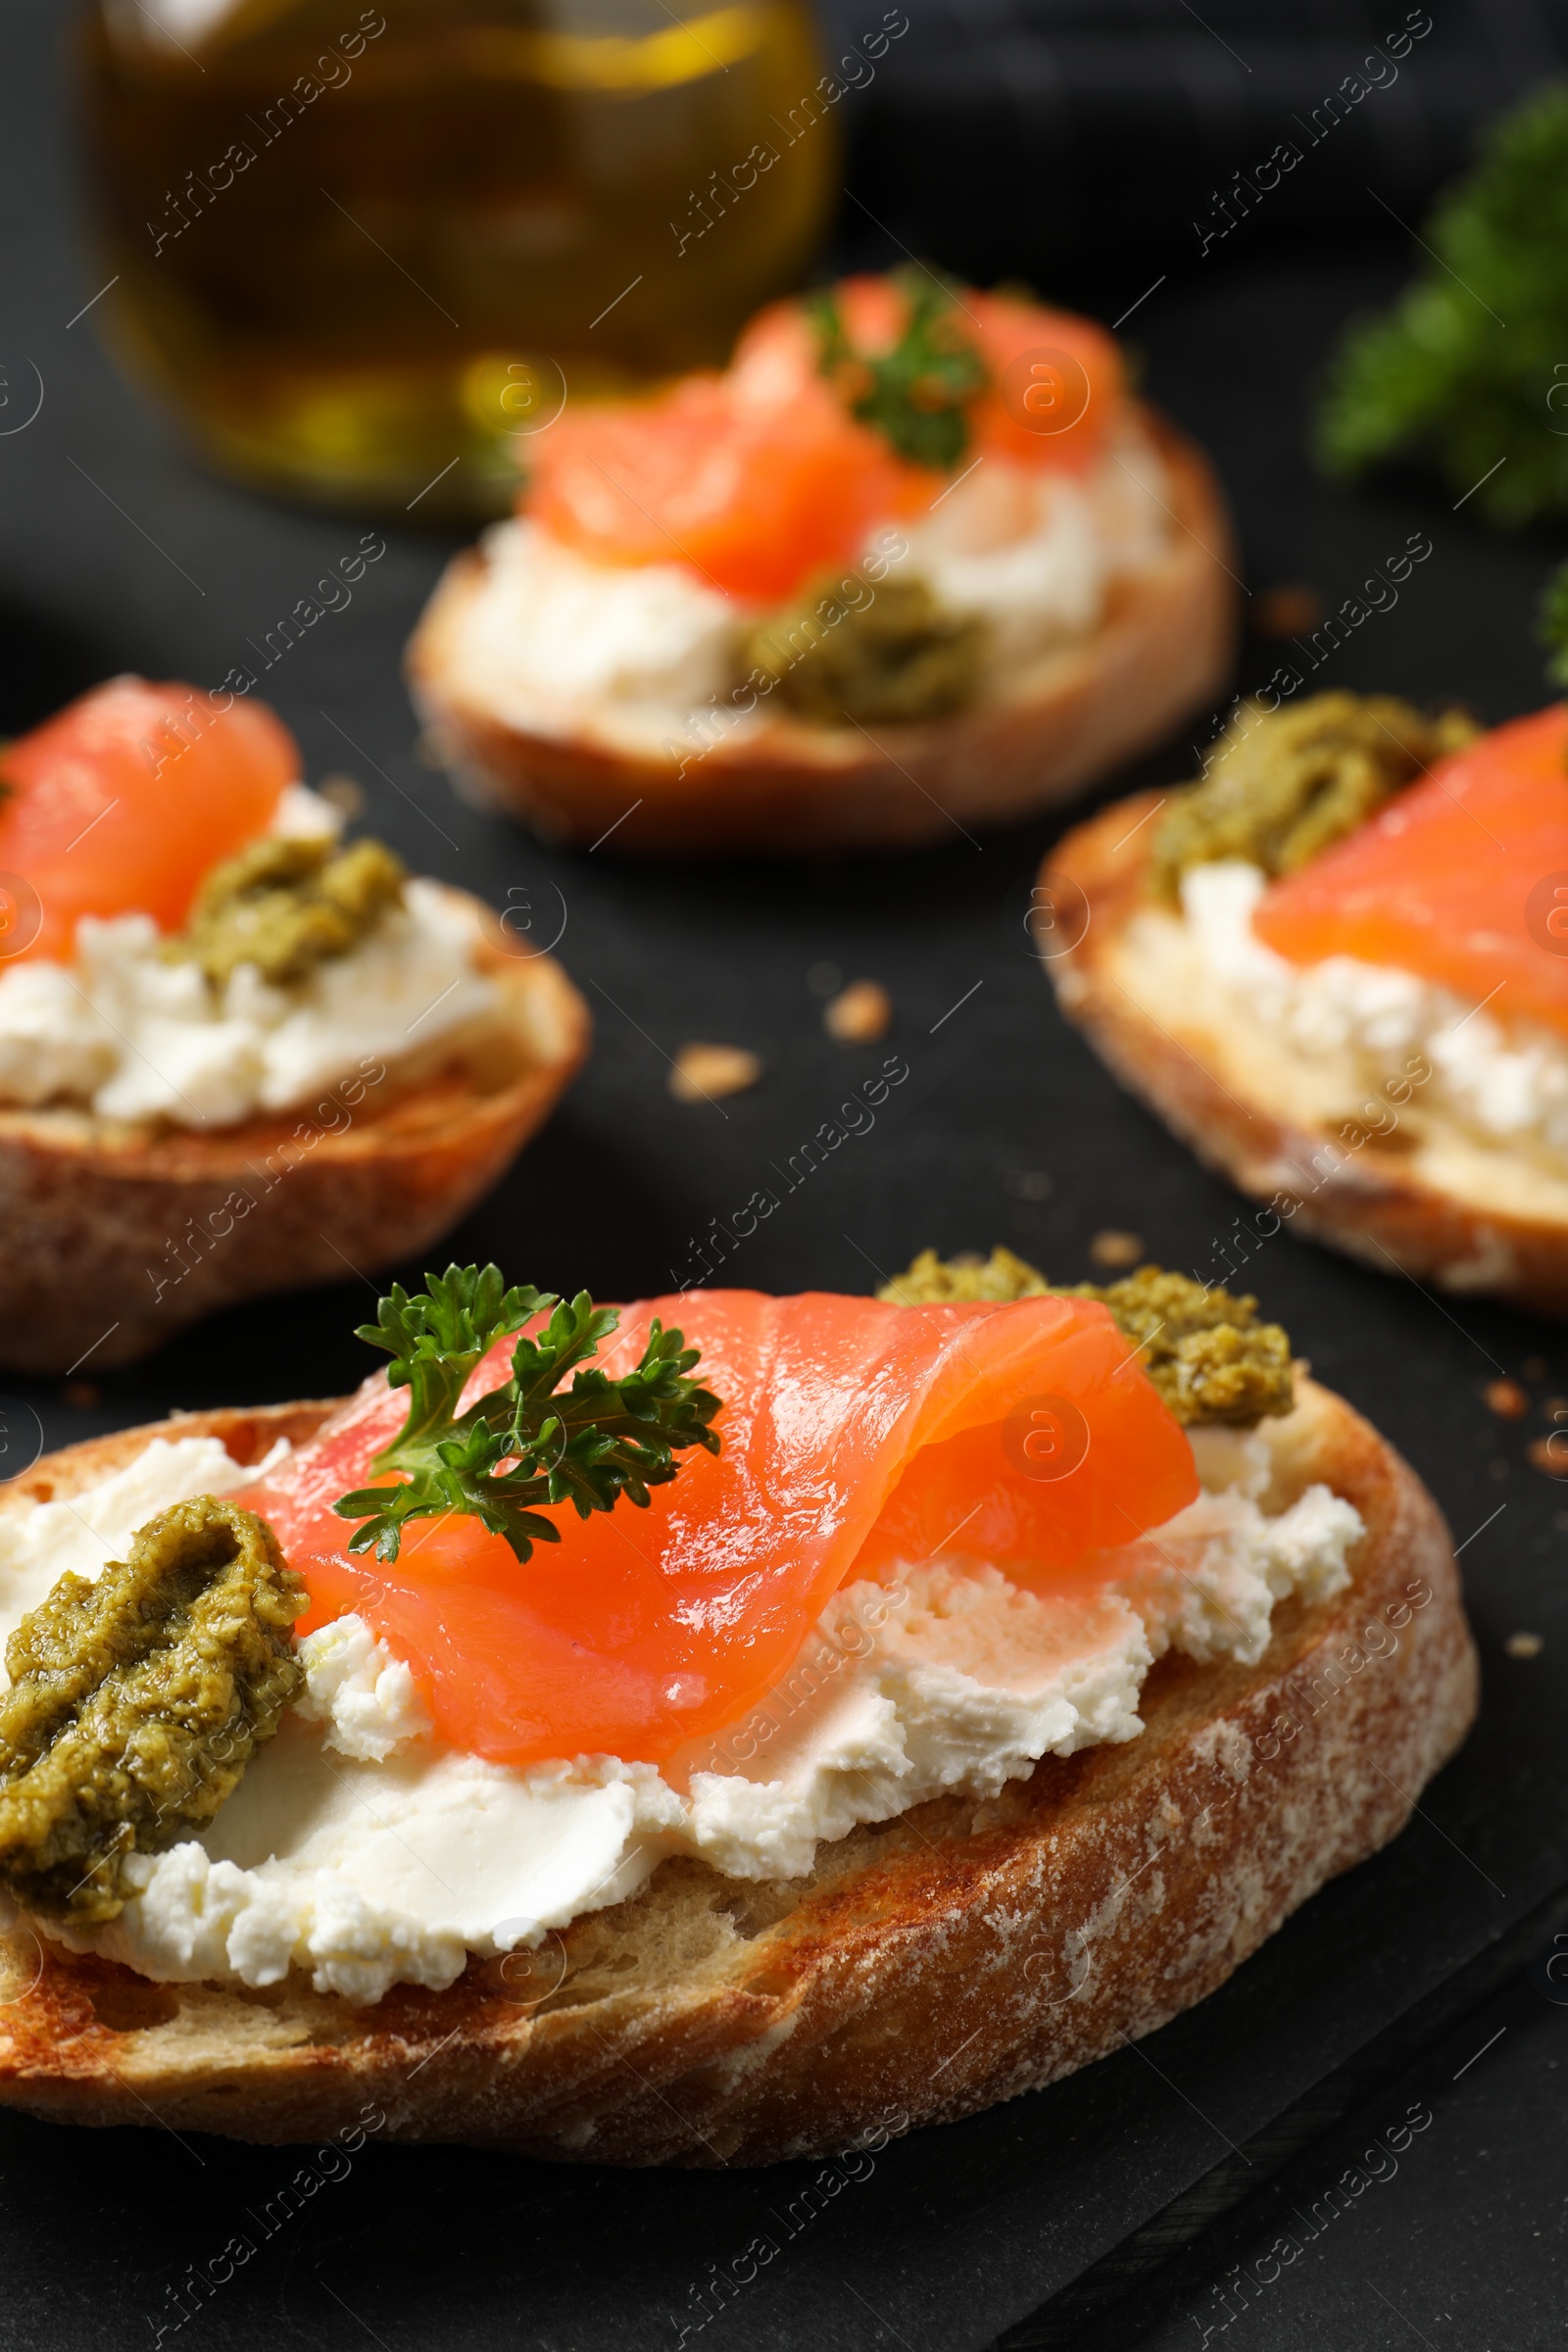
column 916, row 395
column 1467, row 368
column 600, row 1440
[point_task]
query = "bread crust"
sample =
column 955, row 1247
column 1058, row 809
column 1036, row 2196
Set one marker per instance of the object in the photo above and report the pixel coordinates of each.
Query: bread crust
column 928, row 1967
column 1374, row 1204
column 1163, row 651
column 113, row 1239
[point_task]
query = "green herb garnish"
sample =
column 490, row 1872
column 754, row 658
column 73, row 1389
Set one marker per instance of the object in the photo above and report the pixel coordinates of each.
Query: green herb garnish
column 916, row 395
column 600, row 1440
column 1468, row 368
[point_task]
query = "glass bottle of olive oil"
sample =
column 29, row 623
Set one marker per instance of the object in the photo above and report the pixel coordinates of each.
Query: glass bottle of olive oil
column 366, row 253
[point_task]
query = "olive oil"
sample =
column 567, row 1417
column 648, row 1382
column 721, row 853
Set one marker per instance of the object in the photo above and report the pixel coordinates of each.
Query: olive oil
column 366, row 254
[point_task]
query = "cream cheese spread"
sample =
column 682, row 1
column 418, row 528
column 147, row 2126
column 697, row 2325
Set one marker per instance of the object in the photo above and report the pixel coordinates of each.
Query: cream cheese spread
column 360, row 1849
column 549, row 634
column 134, row 1036
column 1033, row 553
column 1358, row 1024
column 556, row 644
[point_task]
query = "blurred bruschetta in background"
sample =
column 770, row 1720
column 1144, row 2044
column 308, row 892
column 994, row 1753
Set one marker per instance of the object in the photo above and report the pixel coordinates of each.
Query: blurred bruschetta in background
column 236, row 1055
column 918, row 559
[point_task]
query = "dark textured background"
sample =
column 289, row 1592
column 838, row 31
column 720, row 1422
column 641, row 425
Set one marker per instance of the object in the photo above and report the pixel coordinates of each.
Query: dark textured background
column 1006, row 1130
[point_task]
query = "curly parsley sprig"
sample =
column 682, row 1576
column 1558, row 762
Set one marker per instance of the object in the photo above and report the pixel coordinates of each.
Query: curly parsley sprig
column 1466, row 370
column 919, row 394
column 600, row 1440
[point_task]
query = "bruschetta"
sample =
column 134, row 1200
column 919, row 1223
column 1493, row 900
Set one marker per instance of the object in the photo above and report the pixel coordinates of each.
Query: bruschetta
column 988, row 1670
column 918, row 560
column 236, row 1055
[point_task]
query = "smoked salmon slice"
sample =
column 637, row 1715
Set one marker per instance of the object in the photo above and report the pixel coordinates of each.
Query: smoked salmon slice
column 124, row 801
column 749, row 497
column 855, row 1436
column 1067, row 375
column 1453, row 880
column 756, row 478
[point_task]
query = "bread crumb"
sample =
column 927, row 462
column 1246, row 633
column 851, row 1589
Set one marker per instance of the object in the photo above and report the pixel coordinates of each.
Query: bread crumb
column 344, row 794
column 1113, row 1249
column 1507, row 1398
column 1524, row 1645
column 1546, row 1454
column 858, row 1017
column 1293, row 609
column 1534, row 1367
column 82, row 1396
column 702, row 1073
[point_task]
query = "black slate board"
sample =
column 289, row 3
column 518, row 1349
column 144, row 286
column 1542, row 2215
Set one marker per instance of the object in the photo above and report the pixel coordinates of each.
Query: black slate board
column 1004, row 1130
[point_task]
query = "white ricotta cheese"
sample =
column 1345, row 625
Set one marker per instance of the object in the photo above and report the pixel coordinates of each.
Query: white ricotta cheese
column 1501, row 1085
column 302, row 814
column 1017, row 550
column 1207, row 1580
column 1033, row 553
column 961, row 1681
column 365, row 1696
column 550, row 634
column 137, row 1038
column 361, row 1850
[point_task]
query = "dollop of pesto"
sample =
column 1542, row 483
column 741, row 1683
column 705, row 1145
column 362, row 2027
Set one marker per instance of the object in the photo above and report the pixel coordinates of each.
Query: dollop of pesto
column 934, row 1281
column 897, row 657
column 137, row 1700
column 289, row 905
column 1282, row 785
column 1203, row 1348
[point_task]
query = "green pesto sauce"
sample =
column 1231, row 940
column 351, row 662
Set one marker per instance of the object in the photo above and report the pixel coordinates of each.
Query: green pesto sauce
column 1204, row 1350
column 897, row 656
column 1282, row 785
column 136, row 1703
column 287, row 906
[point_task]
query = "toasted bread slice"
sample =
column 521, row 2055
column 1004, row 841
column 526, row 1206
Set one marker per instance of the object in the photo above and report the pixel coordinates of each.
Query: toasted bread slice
column 1164, row 650
column 928, row 1967
column 1427, row 1200
column 113, row 1237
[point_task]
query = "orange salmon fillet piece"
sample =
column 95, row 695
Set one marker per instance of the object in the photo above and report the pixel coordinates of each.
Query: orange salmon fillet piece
column 750, row 497
column 124, row 801
column 758, row 478
column 855, row 1435
column 1453, row 880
